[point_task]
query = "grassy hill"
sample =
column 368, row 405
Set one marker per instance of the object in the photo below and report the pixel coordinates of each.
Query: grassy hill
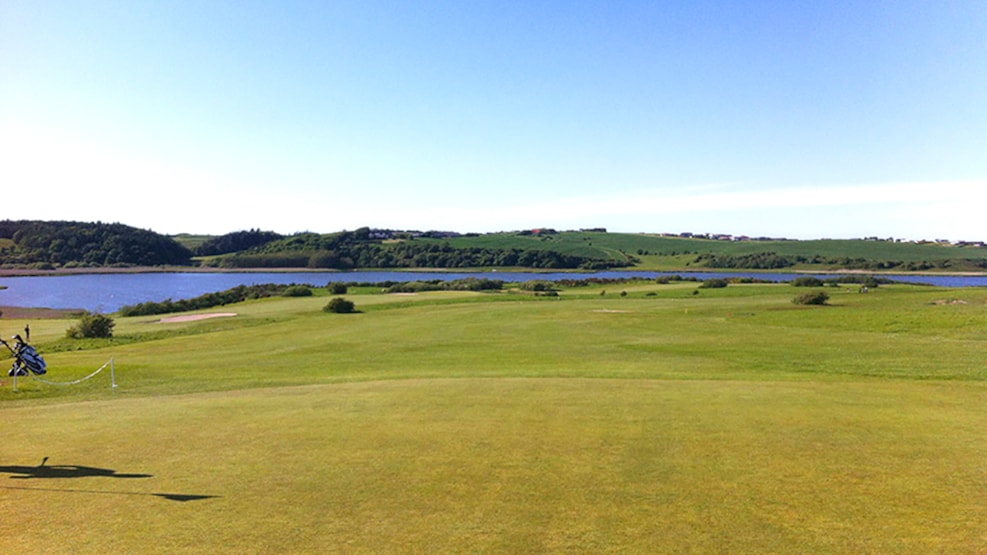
column 636, row 417
column 54, row 245
column 663, row 252
column 191, row 241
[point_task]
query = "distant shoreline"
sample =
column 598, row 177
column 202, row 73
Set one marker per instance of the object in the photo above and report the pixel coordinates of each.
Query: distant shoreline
column 26, row 272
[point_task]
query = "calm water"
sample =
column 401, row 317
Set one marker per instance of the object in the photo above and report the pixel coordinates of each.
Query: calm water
column 109, row 292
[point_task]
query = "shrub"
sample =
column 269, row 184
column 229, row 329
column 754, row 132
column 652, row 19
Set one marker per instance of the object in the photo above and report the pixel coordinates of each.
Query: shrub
column 473, row 284
column 817, row 298
column 416, row 287
column 337, row 288
column 714, row 283
column 869, row 281
column 91, row 325
column 807, row 281
column 537, row 285
column 340, row 305
column 298, row 291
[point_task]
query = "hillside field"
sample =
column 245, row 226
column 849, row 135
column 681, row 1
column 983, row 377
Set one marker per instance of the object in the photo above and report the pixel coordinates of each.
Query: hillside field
column 619, row 418
column 658, row 252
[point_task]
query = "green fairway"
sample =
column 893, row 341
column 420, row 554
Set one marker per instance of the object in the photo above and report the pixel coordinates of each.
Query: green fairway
column 660, row 421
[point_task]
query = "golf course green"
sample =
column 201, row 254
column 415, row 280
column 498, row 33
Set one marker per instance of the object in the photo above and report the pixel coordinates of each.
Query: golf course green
column 621, row 418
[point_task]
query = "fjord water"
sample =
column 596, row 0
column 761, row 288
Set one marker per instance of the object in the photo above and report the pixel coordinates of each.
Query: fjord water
column 109, row 292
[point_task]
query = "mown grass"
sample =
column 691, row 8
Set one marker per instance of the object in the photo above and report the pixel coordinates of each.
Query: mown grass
column 510, row 465
column 731, row 421
column 749, row 332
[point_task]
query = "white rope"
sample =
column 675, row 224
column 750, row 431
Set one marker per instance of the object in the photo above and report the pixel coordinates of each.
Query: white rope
column 75, row 382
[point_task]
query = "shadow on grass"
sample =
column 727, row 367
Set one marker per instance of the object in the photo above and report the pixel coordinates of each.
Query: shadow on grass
column 43, row 471
column 64, row 471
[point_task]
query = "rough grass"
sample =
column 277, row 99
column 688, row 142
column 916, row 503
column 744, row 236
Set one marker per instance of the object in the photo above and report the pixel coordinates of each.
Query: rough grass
column 730, row 422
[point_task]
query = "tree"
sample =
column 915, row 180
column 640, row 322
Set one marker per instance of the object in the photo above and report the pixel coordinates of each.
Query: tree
column 297, row 291
column 713, row 283
column 807, row 281
column 236, row 241
column 337, row 288
column 817, row 298
column 89, row 244
column 92, row 325
column 339, row 305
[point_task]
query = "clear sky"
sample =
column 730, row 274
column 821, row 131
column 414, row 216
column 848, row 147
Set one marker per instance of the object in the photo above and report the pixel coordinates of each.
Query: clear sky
column 785, row 118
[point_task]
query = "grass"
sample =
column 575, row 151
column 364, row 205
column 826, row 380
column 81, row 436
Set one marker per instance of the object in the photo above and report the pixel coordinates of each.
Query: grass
column 191, row 241
column 729, row 421
column 668, row 253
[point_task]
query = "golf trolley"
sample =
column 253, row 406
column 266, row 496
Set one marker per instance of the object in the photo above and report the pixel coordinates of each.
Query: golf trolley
column 27, row 362
column 26, row 357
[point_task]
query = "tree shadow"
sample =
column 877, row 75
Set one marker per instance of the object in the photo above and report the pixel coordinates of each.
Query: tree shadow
column 62, row 471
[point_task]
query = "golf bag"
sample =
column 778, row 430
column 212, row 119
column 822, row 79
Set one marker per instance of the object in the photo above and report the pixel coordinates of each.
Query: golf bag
column 26, row 357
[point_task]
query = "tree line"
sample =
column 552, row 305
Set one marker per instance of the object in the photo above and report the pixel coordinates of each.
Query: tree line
column 236, row 241
column 773, row 261
column 356, row 249
column 68, row 244
column 237, row 294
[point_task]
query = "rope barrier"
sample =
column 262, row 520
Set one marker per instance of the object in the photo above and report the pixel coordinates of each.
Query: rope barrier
column 74, row 382
column 113, row 378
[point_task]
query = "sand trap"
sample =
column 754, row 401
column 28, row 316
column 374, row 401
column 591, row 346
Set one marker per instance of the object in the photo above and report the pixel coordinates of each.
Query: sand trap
column 194, row 317
column 607, row 311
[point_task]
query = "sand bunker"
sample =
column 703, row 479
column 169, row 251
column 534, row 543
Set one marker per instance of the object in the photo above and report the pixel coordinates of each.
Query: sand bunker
column 194, row 317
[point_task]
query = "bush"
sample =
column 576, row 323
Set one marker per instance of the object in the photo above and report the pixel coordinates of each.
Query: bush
column 340, row 305
column 807, row 281
column 91, row 325
column 537, row 285
column 298, row 291
column 337, row 288
column 714, row 283
column 474, row 284
column 869, row 281
column 817, row 298
column 416, row 287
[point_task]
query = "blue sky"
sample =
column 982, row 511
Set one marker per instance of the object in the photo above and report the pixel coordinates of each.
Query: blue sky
column 797, row 119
